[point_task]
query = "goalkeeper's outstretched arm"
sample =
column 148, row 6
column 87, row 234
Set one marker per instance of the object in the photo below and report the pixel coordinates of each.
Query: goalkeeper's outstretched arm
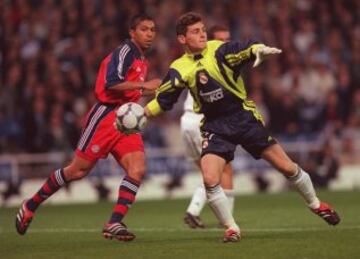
column 238, row 54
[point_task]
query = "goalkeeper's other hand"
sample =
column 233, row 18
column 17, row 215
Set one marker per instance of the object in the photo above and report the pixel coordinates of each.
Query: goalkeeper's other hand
column 263, row 52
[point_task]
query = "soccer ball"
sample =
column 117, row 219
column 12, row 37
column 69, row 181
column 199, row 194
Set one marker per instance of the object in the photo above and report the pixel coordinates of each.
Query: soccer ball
column 130, row 118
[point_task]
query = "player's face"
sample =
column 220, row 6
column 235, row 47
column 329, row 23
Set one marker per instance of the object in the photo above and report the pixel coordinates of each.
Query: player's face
column 222, row 35
column 144, row 34
column 196, row 38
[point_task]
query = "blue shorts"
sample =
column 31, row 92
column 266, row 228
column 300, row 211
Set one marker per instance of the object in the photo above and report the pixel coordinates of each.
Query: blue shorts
column 222, row 135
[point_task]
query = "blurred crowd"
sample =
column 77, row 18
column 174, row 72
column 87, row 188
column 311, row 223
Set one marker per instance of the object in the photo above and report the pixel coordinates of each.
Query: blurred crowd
column 51, row 49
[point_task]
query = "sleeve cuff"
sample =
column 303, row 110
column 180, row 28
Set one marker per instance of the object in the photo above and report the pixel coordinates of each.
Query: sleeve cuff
column 255, row 47
column 154, row 107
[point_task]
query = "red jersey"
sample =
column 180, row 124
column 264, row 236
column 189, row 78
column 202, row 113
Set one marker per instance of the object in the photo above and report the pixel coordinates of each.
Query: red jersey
column 99, row 136
column 126, row 63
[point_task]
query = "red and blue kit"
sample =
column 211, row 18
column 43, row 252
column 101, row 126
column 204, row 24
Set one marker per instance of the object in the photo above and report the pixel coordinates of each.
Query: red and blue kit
column 99, row 136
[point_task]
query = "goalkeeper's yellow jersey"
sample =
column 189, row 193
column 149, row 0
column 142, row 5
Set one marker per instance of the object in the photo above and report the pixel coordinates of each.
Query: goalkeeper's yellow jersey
column 212, row 77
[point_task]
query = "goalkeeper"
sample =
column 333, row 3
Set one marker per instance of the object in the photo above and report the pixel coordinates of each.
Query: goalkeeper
column 190, row 129
column 211, row 72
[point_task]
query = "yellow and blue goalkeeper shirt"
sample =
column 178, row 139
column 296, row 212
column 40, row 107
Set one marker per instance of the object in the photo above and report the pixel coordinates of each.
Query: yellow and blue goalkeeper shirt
column 212, row 78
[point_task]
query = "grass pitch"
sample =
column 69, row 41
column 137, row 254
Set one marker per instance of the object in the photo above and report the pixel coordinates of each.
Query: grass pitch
column 273, row 226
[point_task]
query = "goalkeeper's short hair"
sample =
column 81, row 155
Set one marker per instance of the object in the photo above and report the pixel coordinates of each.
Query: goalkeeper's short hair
column 186, row 20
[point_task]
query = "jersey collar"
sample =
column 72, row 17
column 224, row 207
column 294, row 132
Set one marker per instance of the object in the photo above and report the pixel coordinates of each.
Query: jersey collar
column 197, row 56
column 137, row 51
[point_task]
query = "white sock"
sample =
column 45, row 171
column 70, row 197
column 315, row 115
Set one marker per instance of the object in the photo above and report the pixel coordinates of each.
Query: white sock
column 198, row 201
column 230, row 196
column 302, row 183
column 220, row 206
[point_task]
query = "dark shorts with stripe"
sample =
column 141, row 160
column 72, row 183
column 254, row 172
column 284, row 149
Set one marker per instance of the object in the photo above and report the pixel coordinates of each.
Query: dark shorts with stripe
column 99, row 136
column 222, row 135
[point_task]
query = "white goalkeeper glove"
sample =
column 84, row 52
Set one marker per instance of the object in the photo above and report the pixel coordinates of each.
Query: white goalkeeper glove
column 263, row 52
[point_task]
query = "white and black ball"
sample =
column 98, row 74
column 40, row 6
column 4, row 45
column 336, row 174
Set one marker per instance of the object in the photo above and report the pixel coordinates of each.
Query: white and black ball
column 130, row 118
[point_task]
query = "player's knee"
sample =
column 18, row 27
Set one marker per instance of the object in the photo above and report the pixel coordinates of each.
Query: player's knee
column 72, row 174
column 210, row 179
column 136, row 172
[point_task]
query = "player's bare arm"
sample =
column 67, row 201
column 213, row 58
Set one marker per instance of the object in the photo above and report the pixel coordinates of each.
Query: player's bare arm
column 150, row 85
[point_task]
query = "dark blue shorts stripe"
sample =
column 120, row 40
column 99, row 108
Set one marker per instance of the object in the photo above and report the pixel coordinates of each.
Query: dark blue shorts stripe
column 93, row 129
column 93, row 111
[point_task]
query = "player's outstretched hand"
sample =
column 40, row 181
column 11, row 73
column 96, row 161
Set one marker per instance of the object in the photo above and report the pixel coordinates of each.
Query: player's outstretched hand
column 264, row 52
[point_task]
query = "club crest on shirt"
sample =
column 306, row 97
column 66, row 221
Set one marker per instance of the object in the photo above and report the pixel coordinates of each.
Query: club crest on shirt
column 95, row 148
column 203, row 78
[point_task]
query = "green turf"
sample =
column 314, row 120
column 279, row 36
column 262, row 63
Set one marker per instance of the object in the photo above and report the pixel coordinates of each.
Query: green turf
column 274, row 226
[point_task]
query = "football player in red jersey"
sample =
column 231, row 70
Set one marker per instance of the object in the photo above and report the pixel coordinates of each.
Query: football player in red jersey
column 121, row 79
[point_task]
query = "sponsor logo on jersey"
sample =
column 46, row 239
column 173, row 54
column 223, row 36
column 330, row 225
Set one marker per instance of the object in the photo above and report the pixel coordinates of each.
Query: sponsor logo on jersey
column 212, row 96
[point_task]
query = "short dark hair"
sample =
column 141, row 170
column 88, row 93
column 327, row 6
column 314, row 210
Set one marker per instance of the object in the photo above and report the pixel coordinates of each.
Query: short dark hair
column 186, row 20
column 216, row 28
column 136, row 19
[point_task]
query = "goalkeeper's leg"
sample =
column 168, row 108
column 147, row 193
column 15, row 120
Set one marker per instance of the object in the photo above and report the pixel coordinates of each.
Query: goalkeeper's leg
column 198, row 200
column 212, row 167
column 301, row 181
column 228, row 185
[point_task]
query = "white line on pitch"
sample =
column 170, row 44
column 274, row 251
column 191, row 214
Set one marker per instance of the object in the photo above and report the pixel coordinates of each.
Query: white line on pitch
column 90, row 230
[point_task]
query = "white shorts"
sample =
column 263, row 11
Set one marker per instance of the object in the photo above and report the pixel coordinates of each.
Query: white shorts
column 190, row 129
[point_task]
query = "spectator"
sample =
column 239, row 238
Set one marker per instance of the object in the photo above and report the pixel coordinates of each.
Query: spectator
column 58, row 44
